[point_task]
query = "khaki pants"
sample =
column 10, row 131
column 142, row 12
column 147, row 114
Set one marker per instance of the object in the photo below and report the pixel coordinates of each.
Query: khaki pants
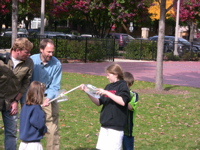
column 52, row 135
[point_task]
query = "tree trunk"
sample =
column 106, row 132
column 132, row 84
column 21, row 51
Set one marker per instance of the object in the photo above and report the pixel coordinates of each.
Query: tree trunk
column 125, row 28
column 14, row 19
column 191, row 37
column 160, row 47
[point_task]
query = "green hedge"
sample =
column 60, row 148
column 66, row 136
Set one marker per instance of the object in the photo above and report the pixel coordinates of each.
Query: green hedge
column 70, row 49
column 141, row 50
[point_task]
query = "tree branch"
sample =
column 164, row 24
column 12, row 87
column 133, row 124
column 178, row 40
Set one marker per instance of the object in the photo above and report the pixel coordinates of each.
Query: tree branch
column 172, row 5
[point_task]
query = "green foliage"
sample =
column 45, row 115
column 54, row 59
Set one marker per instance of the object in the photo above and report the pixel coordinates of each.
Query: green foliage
column 95, row 51
column 171, row 56
column 5, row 42
column 140, row 49
column 36, row 42
column 187, row 56
column 72, row 49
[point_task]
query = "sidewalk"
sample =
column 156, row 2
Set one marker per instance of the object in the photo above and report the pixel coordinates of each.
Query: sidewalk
column 174, row 73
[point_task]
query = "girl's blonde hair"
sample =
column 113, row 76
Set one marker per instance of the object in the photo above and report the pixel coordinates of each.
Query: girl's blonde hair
column 35, row 93
column 116, row 70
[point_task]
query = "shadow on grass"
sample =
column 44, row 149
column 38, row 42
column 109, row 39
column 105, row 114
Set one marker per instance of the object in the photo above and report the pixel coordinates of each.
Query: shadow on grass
column 1, row 131
column 170, row 87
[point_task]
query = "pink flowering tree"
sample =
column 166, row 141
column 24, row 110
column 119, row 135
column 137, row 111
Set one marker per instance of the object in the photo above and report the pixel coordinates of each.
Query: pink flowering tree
column 5, row 7
column 100, row 15
column 190, row 15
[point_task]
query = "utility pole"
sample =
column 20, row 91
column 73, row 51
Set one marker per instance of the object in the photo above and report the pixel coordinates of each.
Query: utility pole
column 14, row 19
column 42, row 17
column 177, row 29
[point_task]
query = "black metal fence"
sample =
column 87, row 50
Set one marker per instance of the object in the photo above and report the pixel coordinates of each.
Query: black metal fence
column 86, row 49
column 101, row 49
column 140, row 50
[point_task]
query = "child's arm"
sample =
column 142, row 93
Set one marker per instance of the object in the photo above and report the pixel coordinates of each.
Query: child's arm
column 130, row 107
column 38, row 119
column 93, row 99
column 116, row 98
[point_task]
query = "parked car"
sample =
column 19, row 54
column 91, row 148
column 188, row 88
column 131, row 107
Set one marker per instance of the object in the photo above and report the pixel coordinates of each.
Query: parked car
column 122, row 38
column 21, row 32
column 52, row 34
column 196, row 41
column 71, row 36
column 33, row 32
column 183, row 44
column 86, row 35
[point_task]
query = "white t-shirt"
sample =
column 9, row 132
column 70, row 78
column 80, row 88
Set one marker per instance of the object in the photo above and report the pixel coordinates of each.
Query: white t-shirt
column 15, row 62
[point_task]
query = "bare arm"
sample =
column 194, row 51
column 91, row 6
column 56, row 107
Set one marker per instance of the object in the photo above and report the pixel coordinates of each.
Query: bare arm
column 93, row 99
column 130, row 107
column 115, row 98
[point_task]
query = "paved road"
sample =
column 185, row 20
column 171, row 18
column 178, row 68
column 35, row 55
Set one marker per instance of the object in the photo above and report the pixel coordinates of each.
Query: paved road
column 175, row 73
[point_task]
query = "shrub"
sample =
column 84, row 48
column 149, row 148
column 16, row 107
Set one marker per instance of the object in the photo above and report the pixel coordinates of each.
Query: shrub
column 190, row 56
column 171, row 56
column 92, row 49
column 95, row 51
column 140, row 49
column 36, row 42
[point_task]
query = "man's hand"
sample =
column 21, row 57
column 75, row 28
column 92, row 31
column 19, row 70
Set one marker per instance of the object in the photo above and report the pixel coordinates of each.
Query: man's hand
column 14, row 108
column 46, row 102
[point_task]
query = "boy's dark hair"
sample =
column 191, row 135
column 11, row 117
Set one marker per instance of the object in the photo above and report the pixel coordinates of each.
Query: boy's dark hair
column 128, row 77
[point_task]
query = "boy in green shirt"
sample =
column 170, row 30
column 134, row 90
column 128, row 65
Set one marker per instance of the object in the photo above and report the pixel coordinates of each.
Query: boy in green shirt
column 128, row 139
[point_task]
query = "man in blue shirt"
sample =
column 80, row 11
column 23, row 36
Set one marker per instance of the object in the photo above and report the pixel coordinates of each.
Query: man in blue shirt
column 48, row 70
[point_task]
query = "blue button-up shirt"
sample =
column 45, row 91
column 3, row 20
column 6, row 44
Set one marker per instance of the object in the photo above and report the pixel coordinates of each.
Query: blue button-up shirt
column 49, row 74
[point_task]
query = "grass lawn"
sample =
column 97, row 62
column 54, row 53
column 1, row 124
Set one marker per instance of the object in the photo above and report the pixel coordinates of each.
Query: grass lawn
column 166, row 120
